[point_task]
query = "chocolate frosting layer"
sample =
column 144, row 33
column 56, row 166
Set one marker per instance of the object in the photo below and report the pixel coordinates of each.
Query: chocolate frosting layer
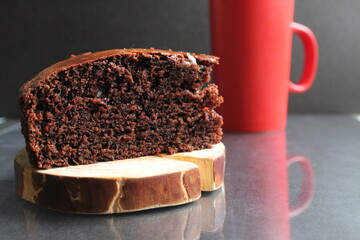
column 75, row 60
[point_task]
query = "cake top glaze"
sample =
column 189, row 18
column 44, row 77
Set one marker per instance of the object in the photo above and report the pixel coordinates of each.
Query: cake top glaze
column 84, row 58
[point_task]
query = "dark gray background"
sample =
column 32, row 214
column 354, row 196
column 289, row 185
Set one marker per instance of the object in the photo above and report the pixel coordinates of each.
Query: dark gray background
column 36, row 34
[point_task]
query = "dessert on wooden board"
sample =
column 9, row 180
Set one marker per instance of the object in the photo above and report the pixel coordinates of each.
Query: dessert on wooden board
column 120, row 130
column 120, row 104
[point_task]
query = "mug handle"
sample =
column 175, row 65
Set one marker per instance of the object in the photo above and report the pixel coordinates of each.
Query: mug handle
column 307, row 190
column 311, row 56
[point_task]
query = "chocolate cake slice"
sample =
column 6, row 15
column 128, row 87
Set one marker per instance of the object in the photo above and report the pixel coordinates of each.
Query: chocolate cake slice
column 120, row 104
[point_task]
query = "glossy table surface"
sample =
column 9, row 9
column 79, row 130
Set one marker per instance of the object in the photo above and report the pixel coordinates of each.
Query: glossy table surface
column 298, row 184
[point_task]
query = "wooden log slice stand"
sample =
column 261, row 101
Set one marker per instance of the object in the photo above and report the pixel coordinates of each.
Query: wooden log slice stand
column 124, row 185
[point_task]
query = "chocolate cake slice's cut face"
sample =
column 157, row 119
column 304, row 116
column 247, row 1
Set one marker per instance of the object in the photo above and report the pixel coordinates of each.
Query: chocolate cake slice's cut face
column 120, row 107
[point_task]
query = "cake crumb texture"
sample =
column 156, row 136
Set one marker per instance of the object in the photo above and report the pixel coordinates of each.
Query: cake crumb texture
column 120, row 104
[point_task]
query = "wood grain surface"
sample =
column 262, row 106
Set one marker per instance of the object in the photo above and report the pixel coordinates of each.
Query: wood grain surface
column 211, row 163
column 124, row 185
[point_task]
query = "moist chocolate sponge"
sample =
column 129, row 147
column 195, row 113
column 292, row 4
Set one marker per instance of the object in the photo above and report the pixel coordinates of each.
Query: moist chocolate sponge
column 119, row 104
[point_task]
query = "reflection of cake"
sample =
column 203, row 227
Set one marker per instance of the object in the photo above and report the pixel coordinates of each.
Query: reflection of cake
column 213, row 211
column 181, row 223
column 120, row 104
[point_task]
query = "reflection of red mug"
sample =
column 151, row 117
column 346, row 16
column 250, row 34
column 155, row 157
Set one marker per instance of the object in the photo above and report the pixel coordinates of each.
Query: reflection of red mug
column 264, row 187
column 253, row 40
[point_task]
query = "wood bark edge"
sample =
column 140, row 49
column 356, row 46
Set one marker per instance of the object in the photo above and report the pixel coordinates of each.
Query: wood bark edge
column 91, row 195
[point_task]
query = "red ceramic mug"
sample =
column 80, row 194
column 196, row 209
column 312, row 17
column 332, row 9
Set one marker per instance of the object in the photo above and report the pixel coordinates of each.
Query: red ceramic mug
column 254, row 40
